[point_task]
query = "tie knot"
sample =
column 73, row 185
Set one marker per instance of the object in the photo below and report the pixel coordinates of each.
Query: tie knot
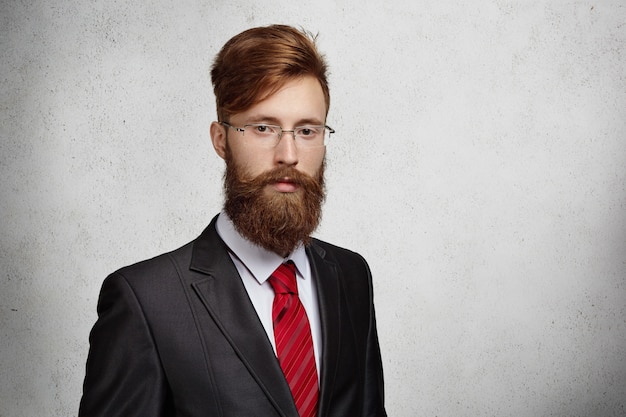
column 283, row 280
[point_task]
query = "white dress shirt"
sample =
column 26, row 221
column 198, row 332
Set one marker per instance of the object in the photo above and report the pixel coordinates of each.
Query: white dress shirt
column 255, row 265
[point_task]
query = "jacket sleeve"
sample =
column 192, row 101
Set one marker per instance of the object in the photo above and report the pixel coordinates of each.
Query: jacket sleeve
column 374, row 385
column 123, row 376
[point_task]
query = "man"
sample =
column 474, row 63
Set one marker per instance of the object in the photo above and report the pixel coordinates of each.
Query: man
column 254, row 317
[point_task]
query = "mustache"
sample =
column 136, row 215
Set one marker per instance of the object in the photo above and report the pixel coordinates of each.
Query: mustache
column 279, row 174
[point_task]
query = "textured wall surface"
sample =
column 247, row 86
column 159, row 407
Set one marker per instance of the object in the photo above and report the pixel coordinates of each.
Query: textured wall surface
column 479, row 165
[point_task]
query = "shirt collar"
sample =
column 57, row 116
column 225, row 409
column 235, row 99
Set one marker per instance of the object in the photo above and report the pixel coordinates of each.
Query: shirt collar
column 259, row 261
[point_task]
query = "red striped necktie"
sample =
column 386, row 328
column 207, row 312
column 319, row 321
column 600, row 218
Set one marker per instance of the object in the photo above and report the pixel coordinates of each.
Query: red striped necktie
column 294, row 345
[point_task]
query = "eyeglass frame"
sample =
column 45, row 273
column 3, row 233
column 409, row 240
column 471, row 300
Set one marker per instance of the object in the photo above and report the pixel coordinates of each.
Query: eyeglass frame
column 279, row 129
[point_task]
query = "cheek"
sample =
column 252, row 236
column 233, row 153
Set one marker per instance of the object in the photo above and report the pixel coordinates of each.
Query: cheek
column 249, row 161
column 311, row 161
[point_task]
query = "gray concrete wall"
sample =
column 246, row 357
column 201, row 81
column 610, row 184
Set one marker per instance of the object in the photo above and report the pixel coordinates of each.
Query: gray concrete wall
column 479, row 165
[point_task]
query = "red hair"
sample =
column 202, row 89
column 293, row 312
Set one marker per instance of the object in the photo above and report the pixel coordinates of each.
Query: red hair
column 256, row 63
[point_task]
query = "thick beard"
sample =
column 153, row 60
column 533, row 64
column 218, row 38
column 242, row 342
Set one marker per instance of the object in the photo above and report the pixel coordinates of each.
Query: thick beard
column 278, row 222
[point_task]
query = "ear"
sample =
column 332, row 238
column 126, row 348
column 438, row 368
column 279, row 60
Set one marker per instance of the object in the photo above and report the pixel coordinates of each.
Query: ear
column 218, row 137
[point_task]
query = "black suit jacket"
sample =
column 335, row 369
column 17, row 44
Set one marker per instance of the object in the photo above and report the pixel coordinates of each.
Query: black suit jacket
column 177, row 335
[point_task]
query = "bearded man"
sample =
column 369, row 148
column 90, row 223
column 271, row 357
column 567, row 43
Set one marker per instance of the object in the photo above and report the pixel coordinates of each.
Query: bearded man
column 254, row 317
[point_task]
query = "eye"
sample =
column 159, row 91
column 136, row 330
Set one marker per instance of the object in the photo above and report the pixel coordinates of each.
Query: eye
column 262, row 129
column 308, row 131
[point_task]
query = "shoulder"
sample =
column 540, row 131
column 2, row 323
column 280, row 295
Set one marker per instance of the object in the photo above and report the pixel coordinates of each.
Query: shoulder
column 158, row 266
column 334, row 250
column 150, row 286
column 347, row 260
column 177, row 261
column 153, row 281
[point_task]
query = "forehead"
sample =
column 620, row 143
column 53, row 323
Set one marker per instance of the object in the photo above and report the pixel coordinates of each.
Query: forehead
column 299, row 99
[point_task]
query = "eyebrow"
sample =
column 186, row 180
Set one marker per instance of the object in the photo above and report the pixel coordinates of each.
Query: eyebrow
column 259, row 118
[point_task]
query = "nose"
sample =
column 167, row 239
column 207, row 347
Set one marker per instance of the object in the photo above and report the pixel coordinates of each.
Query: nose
column 285, row 152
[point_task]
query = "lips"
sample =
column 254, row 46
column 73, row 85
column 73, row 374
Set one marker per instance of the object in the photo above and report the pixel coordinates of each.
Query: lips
column 286, row 185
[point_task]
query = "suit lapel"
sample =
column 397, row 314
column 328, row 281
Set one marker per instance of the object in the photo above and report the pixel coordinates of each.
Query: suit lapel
column 225, row 297
column 327, row 284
